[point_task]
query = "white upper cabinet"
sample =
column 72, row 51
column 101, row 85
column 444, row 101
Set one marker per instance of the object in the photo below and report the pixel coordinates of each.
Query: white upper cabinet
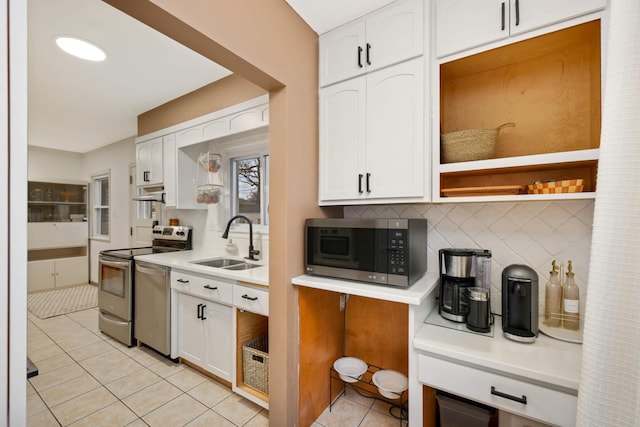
column 391, row 35
column 149, row 162
column 372, row 137
column 464, row 24
column 169, row 169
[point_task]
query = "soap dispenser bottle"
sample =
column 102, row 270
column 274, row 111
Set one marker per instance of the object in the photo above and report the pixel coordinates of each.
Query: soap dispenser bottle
column 553, row 298
column 571, row 302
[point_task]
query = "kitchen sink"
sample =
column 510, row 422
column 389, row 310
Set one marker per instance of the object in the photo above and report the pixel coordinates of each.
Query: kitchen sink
column 226, row 263
column 219, row 262
column 243, row 266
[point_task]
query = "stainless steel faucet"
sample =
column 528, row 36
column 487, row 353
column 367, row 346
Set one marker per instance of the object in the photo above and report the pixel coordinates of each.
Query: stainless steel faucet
column 252, row 252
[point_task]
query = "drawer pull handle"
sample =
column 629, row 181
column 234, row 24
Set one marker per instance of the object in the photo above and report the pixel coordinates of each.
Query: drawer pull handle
column 213, row 288
column 522, row 399
column 245, row 296
column 183, row 281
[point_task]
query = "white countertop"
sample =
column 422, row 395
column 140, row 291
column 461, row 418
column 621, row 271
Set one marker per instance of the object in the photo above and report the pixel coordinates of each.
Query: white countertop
column 183, row 260
column 413, row 295
column 547, row 361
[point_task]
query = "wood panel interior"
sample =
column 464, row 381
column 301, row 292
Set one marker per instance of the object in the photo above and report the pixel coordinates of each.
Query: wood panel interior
column 377, row 332
column 522, row 175
column 429, row 407
column 249, row 326
column 321, row 333
column 549, row 86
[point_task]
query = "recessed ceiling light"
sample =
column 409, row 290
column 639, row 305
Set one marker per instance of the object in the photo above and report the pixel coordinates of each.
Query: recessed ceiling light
column 81, row 49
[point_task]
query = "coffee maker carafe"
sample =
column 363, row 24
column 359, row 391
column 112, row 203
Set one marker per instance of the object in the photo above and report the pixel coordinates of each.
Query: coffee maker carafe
column 461, row 269
column 520, row 303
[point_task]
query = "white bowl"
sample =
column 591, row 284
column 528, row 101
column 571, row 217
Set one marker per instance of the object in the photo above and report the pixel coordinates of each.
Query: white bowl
column 390, row 384
column 350, row 368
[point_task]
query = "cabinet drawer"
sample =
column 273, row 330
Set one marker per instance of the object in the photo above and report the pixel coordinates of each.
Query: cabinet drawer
column 251, row 299
column 210, row 288
column 543, row 404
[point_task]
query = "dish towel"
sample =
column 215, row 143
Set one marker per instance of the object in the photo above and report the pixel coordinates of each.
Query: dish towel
column 609, row 393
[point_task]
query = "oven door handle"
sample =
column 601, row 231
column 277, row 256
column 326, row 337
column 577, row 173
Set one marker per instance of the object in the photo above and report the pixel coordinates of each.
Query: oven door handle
column 115, row 264
column 150, row 270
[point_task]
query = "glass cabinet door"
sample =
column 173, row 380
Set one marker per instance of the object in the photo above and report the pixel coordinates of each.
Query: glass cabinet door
column 57, row 202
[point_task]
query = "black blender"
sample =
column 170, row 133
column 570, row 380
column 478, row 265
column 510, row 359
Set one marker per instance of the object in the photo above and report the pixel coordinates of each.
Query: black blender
column 461, row 269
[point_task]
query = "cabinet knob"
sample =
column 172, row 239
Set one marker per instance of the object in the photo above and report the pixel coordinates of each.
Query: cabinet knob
column 368, row 186
column 517, row 12
column 245, row 296
column 360, row 183
column 368, row 54
column 359, row 57
column 503, row 17
column 182, row 281
column 212, row 288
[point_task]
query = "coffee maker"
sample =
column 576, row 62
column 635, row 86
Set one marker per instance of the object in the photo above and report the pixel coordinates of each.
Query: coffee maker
column 520, row 303
column 461, row 269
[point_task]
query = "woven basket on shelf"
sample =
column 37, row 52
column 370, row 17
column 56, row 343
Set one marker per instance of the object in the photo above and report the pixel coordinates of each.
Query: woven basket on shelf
column 255, row 363
column 470, row 144
column 553, row 187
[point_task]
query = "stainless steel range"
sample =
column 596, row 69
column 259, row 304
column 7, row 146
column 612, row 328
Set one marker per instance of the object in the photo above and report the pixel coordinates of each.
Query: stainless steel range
column 116, row 286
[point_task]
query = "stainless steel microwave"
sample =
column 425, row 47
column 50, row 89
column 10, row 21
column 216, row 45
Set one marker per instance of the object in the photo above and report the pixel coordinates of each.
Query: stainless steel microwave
column 383, row 251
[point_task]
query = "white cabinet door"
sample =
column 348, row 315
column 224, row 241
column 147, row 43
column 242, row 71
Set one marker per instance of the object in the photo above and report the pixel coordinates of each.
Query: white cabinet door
column 149, row 163
column 191, row 344
column 531, row 14
column 395, row 165
column 219, row 339
column 342, row 138
column 40, row 275
column 341, row 53
column 463, row 24
column 393, row 34
column 169, row 169
column 47, row 235
column 72, row 271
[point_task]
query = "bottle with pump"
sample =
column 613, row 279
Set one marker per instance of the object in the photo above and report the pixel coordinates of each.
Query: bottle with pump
column 571, row 301
column 553, row 298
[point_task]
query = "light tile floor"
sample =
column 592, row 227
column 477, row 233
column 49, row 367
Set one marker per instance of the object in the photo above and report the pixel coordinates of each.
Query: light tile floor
column 88, row 379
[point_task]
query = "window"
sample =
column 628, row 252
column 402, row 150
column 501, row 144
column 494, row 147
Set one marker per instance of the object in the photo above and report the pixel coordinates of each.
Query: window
column 250, row 188
column 101, row 206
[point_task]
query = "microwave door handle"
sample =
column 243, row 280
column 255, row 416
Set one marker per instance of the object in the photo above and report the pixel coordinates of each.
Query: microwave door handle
column 154, row 271
column 115, row 264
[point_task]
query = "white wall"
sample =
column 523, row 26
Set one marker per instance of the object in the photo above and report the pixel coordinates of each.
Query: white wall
column 49, row 165
column 116, row 158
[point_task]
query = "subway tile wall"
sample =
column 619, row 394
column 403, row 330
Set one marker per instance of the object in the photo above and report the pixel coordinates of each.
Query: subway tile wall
column 530, row 233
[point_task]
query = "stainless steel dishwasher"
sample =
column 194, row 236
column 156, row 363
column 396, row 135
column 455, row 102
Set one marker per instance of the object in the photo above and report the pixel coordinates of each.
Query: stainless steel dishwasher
column 152, row 323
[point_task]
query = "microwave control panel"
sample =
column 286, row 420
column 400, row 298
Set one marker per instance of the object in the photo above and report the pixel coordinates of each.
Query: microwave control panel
column 397, row 244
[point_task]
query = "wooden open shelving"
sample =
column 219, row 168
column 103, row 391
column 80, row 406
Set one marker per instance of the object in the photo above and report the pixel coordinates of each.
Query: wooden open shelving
column 550, row 87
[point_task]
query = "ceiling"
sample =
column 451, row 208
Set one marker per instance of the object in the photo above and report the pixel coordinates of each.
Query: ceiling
column 79, row 106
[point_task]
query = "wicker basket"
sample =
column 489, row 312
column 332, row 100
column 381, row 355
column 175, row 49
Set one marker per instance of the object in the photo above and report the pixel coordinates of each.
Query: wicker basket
column 255, row 363
column 553, row 187
column 470, row 144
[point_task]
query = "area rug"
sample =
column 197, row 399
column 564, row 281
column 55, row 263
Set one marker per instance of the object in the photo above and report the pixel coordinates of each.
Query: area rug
column 62, row 301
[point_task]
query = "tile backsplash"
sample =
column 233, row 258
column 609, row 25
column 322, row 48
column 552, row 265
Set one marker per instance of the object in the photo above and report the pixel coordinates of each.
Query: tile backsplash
column 530, row 233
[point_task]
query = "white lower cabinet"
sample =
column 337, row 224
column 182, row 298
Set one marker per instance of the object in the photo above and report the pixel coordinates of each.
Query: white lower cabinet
column 56, row 273
column 506, row 393
column 205, row 334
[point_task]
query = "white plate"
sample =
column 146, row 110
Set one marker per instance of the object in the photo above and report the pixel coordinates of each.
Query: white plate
column 390, row 384
column 350, row 368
